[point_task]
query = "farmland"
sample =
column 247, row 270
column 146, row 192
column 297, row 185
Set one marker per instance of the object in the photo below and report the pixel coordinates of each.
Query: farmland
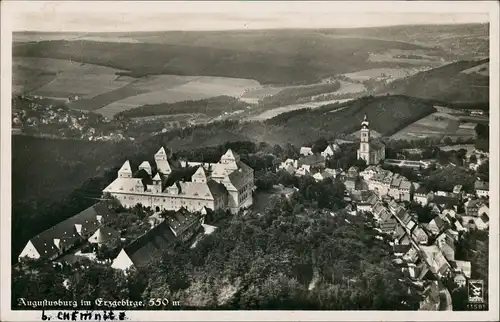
column 446, row 83
column 292, row 107
column 390, row 73
column 438, row 124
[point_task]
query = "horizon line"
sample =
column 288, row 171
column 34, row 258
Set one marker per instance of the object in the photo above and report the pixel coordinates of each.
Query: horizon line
column 252, row 29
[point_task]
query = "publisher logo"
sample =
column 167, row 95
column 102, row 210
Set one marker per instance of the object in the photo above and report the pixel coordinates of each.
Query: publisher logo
column 475, row 291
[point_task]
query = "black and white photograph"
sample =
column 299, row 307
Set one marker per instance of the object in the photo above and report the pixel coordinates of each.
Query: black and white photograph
column 260, row 160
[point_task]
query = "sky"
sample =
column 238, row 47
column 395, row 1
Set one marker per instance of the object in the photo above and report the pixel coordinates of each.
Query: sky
column 152, row 16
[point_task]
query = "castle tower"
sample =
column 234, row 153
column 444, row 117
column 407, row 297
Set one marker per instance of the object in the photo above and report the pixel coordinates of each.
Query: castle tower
column 162, row 164
column 157, row 183
column 125, row 171
column 199, row 176
column 364, row 144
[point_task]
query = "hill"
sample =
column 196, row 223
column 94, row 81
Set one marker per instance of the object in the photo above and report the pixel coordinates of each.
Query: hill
column 270, row 57
column 452, row 83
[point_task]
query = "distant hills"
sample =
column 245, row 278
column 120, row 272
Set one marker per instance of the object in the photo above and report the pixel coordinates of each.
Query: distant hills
column 288, row 58
column 460, row 82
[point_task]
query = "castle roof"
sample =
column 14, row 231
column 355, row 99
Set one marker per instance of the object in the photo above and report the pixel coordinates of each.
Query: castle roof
column 161, row 152
column 126, row 167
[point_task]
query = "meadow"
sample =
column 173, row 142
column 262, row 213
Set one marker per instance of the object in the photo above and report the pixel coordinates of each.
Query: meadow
column 438, row 124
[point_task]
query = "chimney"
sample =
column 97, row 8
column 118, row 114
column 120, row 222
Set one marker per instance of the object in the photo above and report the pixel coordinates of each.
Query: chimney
column 78, row 228
column 99, row 218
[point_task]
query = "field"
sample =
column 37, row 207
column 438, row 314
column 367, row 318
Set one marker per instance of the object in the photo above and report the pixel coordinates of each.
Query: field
column 277, row 111
column 410, row 57
column 277, row 57
column 391, row 73
column 446, row 83
column 99, row 89
column 438, row 124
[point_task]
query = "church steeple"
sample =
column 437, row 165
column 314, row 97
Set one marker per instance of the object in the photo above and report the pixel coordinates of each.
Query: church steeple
column 365, row 123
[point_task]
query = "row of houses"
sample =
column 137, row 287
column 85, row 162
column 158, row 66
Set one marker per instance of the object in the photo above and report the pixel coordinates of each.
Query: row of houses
column 328, row 152
column 384, row 182
column 424, row 251
column 94, row 226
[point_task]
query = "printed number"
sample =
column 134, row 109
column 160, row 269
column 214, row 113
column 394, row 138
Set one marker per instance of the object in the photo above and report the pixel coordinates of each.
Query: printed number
column 158, row 302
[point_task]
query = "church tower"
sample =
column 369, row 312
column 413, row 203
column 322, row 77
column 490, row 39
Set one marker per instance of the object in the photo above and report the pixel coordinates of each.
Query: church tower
column 364, row 144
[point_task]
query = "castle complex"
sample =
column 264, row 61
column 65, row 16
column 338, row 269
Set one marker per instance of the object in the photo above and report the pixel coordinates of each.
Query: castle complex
column 370, row 150
column 227, row 184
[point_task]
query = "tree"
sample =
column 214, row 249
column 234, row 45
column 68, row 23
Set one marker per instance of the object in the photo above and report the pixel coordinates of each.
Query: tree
column 482, row 131
column 320, row 145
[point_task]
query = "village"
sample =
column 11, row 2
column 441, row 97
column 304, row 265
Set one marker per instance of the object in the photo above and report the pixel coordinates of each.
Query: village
column 142, row 212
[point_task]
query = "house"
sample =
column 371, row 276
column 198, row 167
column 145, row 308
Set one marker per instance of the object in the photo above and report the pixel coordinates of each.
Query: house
column 304, row 170
column 289, row 163
column 435, row 260
column 448, row 201
column 482, row 222
column 369, row 172
column 400, row 235
column 183, row 223
column 482, row 189
column 330, row 150
column 460, row 280
column 419, row 235
column 411, row 256
column 320, row 176
column 404, row 217
column 377, row 209
column 436, row 225
column 472, row 207
column 68, row 234
column 388, row 223
column 401, row 250
column 353, row 172
column 305, row 151
column 464, row 267
column 446, row 243
column 448, row 214
column 314, row 161
column 350, row 184
column 483, row 209
column 144, row 249
column 365, row 200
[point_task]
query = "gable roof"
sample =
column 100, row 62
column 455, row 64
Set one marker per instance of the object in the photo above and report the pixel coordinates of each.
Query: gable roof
column 217, row 189
column 311, row 159
column 161, row 152
column 182, row 220
column 147, row 246
column 438, row 222
column 70, row 230
column 103, row 235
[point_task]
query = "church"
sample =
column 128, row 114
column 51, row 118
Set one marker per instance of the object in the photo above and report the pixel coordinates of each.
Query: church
column 370, row 150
